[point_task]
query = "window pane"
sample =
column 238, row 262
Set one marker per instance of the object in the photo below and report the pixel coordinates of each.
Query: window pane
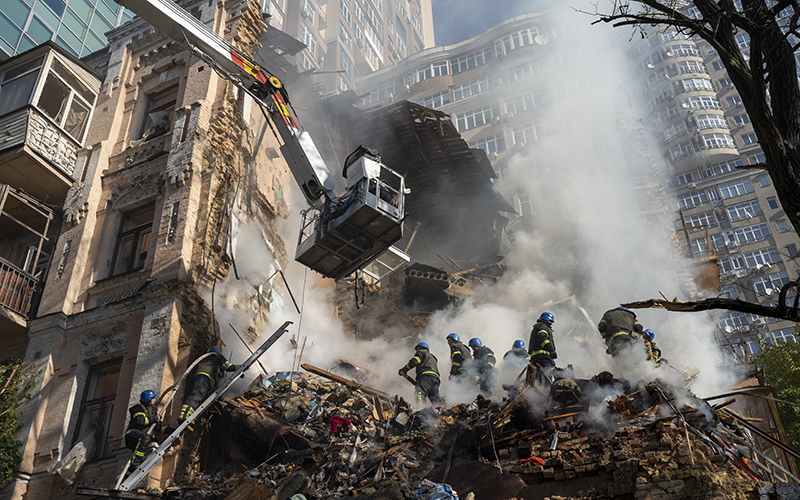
column 56, row 5
column 17, row 93
column 100, row 26
column 83, row 9
column 109, row 16
column 17, row 11
column 113, row 6
column 123, row 257
column 9, row 32
column 74, row 23
column 53, row 99
column 93, row 42
column 39, row 31
column 26, row 44
column 63, row 43
column 51, row 20
column 76, row 119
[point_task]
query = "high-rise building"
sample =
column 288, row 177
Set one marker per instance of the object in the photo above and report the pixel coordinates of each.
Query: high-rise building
column 346, row 39
column 526, row 83
column 79, row 26
column 723, row 211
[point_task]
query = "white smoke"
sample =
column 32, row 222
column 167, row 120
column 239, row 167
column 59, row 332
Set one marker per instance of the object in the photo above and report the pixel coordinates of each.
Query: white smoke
column 589, row 241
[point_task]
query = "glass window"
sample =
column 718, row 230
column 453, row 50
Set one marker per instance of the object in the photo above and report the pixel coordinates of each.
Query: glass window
column 9, row 34
column 56, row 5
column 39, row 31
column 82, row 8
column 756, row 158
column 54, row 97
column 767, row 285
column 98, row 404
column 159, row 114
column 735, row 188
column 69, row 41
column 763, row 181
column 477, row 117
column 47, row 15
column 791, row 250
column 17, row 92
column 784, row 335
column 100, row 26
column 762, row 257
column 749, row 139
column 74, row 23
column 17, row 11
column 705, row 219
column 783, row 227
column 773, row 203
column 59, row 101
column 26, row 43
column 742, row 119
column 493, row 144
column 470, row 88
column 692, row 199
column 734, row 100
column 470, row 61
column 93, row 43
column 133, row 240
column 746, row 210
column 751, row 234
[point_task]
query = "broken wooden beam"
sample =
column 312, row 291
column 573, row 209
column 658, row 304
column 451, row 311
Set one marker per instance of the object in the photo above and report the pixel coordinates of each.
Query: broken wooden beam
column 345, row 381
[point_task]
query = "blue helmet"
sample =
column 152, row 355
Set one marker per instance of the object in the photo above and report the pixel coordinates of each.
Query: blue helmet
column 475, row 342
column 147, row 396
column 624, row 308
column 546, row 316
column 519, row 343
column 213, row 348
column 455, row 337
column 422, row 344
column 650, row 334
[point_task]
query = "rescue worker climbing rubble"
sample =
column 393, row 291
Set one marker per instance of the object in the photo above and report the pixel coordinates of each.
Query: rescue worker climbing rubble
column 204, row 380
column 427, row 376
column 619, row 329
column 514, row 361
column 542, row 347
column 484, row 363
column 653, row 352
column 460, row 356
column 143, row 415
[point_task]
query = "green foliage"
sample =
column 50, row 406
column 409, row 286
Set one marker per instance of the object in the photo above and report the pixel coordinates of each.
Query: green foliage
column 781, row 365
column 16, row 381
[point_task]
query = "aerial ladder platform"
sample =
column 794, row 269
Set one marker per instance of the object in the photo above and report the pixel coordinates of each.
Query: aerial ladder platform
column 339, row 234
column 155, row 457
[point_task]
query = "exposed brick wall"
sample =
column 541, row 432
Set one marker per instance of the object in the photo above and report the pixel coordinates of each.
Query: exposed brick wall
column 641, row 464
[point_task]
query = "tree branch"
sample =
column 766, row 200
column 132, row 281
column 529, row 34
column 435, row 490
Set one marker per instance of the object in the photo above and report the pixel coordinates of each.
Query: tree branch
column 780, row 311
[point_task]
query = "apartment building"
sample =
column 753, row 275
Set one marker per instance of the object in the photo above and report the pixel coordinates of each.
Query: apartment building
column 346, row 39
column 78, row 26
column 148, row 156
column 721, row 210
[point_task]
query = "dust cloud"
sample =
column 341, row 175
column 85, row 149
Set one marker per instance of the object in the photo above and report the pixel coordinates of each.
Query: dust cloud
column 587, row 248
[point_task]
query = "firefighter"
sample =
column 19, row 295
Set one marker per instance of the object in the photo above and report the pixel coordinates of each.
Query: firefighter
column 484, row 362
column 653, row 352
column 137, row 440
column 204, row 380
column 427, row 373
column 619, row 329
column 459, row 356
column 514, row 361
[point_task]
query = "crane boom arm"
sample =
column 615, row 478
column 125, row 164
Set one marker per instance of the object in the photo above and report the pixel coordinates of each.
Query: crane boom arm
column 300, row 152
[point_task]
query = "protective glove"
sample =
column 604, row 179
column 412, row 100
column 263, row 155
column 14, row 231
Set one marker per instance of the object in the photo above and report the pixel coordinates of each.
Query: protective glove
column 402, row 372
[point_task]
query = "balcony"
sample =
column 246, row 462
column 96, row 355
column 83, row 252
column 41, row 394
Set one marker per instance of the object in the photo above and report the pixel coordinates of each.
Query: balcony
column 45, row 108
column 29, row 230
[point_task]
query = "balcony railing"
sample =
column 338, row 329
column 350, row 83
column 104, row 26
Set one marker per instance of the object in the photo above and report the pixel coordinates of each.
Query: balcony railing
column 19, row 291
column 33, row 128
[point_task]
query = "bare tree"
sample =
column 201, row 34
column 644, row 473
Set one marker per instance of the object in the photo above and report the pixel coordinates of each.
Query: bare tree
column 781, row 310
column 766, row 80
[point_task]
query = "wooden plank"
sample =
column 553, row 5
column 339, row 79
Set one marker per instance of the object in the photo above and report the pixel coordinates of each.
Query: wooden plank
column 345, row 381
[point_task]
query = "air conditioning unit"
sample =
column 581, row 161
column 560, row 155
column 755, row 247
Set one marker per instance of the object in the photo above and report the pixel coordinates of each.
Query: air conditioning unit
column 496, row 119
column 744, row 328
column 759, row 321
column 692, row 185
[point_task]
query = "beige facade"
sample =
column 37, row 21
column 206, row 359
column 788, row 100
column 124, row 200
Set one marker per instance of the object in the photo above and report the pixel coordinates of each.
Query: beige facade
column 172, row 157
column 346, row 39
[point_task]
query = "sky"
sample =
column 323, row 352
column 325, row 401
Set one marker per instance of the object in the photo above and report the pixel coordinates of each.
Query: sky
column 454, row 20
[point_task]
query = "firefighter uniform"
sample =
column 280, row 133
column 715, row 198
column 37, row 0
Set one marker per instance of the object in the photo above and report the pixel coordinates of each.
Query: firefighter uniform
column 427, row 375
column 653, row 352
column 485, row 367
column 541, row 347
column 136, row 438
column 203, row 382
column 514, row 361
column 619, row 329
column 460, row 356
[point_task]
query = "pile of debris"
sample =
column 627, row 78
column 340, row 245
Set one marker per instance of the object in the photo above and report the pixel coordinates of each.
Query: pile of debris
column 322, row 436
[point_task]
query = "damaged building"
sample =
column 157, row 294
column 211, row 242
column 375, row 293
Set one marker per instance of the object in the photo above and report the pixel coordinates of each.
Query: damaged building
column 139, row 160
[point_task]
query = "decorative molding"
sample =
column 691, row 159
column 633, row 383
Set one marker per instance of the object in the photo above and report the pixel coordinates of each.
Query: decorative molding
column 62, row 263
column 179, row 164
column 146, row 150
column 110, row 299
column 102, row 345
column 141, row 187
